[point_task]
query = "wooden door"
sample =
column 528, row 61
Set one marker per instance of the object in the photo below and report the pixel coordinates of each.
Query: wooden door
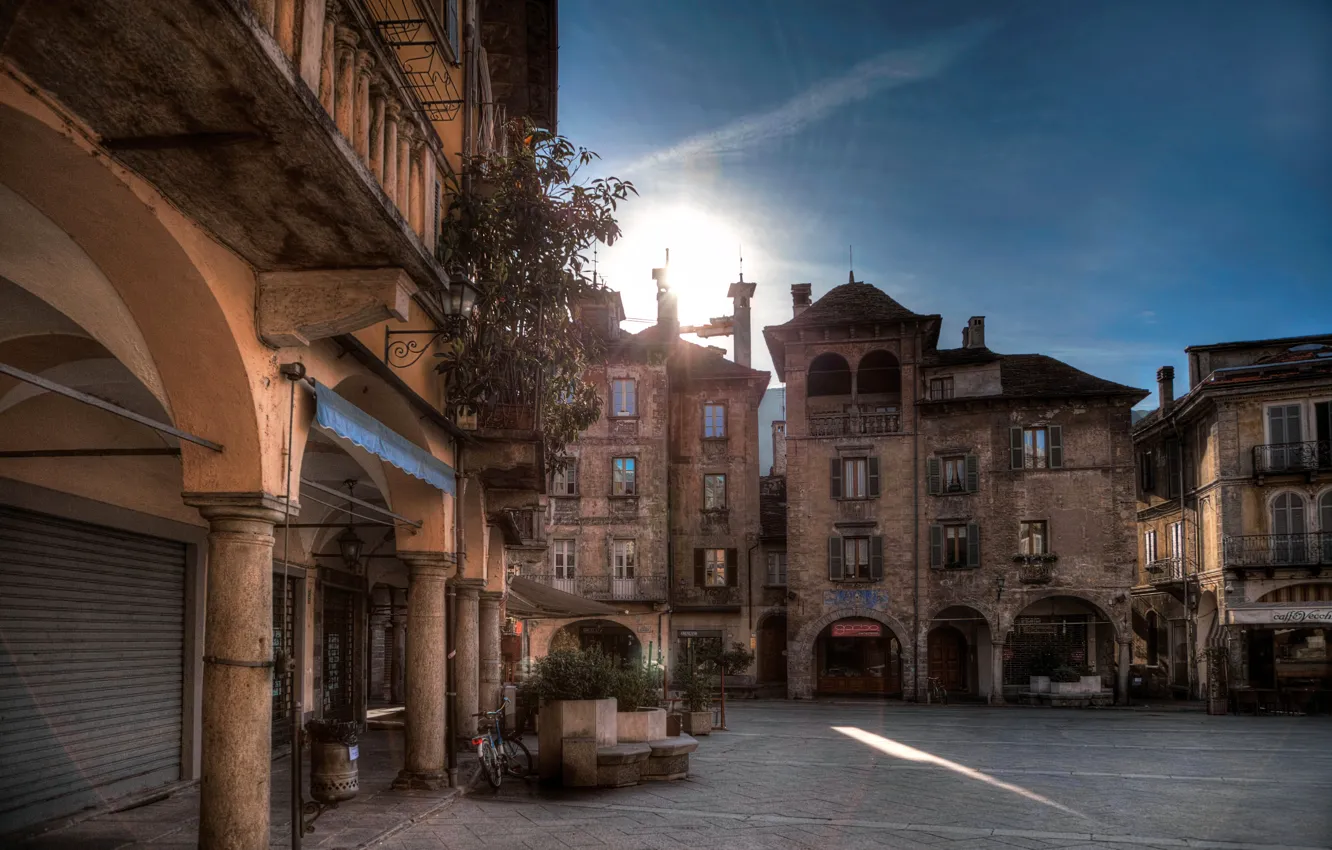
column 772, row 650
column 948, row 653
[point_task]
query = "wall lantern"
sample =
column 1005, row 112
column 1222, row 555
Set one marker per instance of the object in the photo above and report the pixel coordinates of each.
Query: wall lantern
column 999, row 582
column 461, row 297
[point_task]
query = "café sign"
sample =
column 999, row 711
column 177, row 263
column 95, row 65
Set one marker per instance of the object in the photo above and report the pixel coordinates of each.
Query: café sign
column 1285, row 615
column 871, row 630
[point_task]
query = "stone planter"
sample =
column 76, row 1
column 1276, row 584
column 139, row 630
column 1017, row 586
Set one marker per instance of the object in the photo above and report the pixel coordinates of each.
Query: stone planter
column 1066, row 689
column 640, row 726
column 1091, row 684
column 696, row 722
column 1040, row 684
column 580, row 718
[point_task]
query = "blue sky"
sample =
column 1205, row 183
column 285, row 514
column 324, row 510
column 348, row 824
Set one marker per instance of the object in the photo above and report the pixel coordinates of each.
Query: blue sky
column 1106, row 182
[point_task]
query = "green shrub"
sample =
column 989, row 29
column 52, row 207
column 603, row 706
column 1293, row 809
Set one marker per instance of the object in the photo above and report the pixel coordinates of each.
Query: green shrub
column 1064, row 673
column 574, row 674
column 694, row 686
column 1045, row 662
column 733, row 661
column 636, row 686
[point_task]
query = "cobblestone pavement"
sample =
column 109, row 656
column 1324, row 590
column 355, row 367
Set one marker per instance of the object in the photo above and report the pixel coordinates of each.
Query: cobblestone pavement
column 958, row 777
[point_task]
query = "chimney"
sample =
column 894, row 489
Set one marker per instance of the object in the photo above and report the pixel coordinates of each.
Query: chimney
column 800, row 297
column 668, row 312
column 973, row 336
column 740, row 294
column 778, row 448
column 1165, row 387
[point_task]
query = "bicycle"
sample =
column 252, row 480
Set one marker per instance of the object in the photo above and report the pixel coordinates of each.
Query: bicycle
column 499, row 755
column 937, row 692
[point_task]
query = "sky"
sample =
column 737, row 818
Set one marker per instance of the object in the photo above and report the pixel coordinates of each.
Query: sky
column 1105, row 182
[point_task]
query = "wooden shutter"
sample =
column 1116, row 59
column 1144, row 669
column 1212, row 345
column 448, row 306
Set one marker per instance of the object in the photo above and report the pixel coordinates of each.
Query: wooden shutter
column 973, row 544
column 876, row 559
column 973, row 474
column 1056, row 446
column 933, row 476
column 873, row 465
column 1015, row 448
column 732, row 567
column 834, row 558
column 699, row 574
column 936, row 545
column 835, row 477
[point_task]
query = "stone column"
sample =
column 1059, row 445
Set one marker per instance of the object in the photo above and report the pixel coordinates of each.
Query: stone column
column 1122, row 674
column 414, row 184
column 466, row 662
column 361, row 119
column 327, row 61
column 405, row 138
column 284, row 27
column 423, row 763
column 344, row 80
column 238, row 670
column 377, row 130
column 997, row 672
column 428, row 197
column 399, row 619
column 311, row 33
column 490, row 629
column 391, row 111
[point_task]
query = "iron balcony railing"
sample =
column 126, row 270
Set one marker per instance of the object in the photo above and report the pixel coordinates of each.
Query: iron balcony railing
column 1036, row 571
column 1284, row 458
column 1165, row 570
column 1279, row 550
column 853, row 424
column 607, row 588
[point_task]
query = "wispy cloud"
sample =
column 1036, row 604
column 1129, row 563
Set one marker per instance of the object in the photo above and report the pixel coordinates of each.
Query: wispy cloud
column 888, row 70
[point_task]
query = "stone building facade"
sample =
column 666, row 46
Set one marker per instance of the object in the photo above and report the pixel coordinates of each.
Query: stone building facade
column 951, row 513
column 1234, row 522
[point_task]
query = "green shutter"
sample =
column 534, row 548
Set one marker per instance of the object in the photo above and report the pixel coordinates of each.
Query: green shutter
column 933, row 476
column 1056, row 447
column 699, row 575
column 936, row 545
column 1015, row 448
column 973, row 545
column 835, row 477
column 732, row 567
column 876, row 559
column 873, row 464
column 973, row 474
column 834, row 558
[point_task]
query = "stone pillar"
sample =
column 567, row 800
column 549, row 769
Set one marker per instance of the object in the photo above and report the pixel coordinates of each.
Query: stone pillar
column 361, row 118
column 344, row 80
column 414, row 184
column 490, row 628
column 377, row 131
column 1122, row 674
column 238, row 673
column 399, row 649
column 428, row 197
column 423, row 762
column 405, row 135
column 392, row 109
column 327, row 54
column 466, row 662
column 997, row 672
column 284, row 27
column 312, row 42
column 264, row 10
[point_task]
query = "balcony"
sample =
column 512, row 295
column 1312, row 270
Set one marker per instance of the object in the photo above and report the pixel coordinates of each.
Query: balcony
column 692, row 596
column 1165, row 570
column 853, row 424
column 1269, row 551
column 1308, row 458
column 1035, row 569
column 606, row 588
column 507, row 449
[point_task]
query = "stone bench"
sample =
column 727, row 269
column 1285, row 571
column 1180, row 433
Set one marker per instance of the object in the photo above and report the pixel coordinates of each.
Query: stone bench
column 621, row 765
column 670, row 758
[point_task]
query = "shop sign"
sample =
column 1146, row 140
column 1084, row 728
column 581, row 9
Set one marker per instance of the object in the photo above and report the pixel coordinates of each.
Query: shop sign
column 876, row 600
column 1285, row 614
column 695, row 633
column 872, row 630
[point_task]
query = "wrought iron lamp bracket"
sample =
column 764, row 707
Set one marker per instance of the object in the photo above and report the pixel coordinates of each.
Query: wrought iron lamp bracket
column 405, row 352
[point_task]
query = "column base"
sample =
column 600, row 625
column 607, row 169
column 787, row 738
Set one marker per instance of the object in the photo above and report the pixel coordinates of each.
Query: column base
column 409, row 780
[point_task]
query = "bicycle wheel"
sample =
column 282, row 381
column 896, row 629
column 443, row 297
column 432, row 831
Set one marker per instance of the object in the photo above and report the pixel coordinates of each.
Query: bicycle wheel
column 518, row 757
column 485, row 753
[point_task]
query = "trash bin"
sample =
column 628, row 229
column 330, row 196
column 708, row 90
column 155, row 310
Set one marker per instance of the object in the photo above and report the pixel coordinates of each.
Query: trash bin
column 334, row 760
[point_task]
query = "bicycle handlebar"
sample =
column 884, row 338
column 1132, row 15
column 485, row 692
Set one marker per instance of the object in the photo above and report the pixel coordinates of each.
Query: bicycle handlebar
column 497, row 711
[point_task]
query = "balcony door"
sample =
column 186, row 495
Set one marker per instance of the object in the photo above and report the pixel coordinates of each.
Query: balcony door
column 623, row 585
column 565, row 558
column 1284, row 433
column 1323, row 429
column 1288, row 529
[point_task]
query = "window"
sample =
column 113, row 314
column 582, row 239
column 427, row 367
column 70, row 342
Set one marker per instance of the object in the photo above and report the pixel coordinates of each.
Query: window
column 624, row 397
column 1149, row 546
column 1176, row 530
column 1283, row 424
column 952, row 474
column 854, row 477
column 714, row 568
column 941, row 388
column 565, row 555
column 955, row 545
column 855, row 558
column 1173, row 461
column 955, row 474
column 1033, row 538
column 565, row 480
column 1037, row 447
column 714, row 421
column 1147, row 471
column 777, row 568
column 623, row 558
column 622, row 477
column 714, row 492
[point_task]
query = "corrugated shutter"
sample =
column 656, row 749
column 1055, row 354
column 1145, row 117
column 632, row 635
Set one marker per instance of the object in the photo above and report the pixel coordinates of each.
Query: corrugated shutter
column 92, row 629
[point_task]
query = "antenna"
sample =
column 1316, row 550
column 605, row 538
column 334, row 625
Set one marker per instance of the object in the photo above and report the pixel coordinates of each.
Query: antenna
column 594, row 264
column 741, row 249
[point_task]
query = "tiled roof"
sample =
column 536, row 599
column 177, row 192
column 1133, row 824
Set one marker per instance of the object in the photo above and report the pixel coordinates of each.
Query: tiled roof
column 690, row 360
column 960, row 356
column 1263, row 343
column 772, row 506
column 852, row 302
column 1039, row 376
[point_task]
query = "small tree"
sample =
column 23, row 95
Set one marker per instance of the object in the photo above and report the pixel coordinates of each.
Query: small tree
column 568, row 674
column 734, row 661
column 692, row 683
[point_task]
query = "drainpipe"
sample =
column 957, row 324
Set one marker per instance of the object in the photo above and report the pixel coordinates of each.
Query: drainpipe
column 749, row 565
column 915, row 519
column 450, row 633
column 1190, row 627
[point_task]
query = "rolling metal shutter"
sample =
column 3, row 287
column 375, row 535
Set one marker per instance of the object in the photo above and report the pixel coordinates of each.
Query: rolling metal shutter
column 92, row 627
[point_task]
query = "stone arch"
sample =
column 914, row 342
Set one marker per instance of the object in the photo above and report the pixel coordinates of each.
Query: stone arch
column 828, row 375
column 1100, row 603
column 1323, row 511
column 987, row 612
column 800, row 650
column 1295, row 504
column 879, row 373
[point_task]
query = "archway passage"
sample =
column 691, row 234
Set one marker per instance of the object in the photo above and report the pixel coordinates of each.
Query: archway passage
column 959, row 651
column 879, row 380
column 1059, row 632
column 612, row 638
column 857, row 656
column 948, row 659
column 772, row 650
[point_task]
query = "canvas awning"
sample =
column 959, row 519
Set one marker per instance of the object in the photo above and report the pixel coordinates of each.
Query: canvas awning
column 348, row 421
column 529, row 599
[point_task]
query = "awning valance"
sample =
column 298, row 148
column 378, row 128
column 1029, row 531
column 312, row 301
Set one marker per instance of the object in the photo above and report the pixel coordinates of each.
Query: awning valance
column 531, row 600
column 348, row 421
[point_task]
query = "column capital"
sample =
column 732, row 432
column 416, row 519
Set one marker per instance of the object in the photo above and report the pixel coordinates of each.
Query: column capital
column 345, row 36
column 365, row 61
column 469, row 587
column 262, row 507
column 440, row 565
column 1124, row 641
column 392, row 106
column 492, row 596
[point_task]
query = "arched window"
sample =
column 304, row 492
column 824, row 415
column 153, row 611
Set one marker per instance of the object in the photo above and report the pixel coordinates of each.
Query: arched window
column 829, row 374
column 878, row 374
column 1288, row 514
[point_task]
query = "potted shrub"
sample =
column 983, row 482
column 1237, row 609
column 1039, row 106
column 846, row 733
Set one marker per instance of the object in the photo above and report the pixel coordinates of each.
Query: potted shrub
column 696, row 692
column 1090, row 680
column 576, row 689
column 1065, row 680
column 638, row 717
column 334, row 759
column 1045, row 661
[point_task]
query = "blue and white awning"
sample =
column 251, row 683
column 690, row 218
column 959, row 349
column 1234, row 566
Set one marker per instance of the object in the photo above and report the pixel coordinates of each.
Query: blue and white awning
column 348, row 421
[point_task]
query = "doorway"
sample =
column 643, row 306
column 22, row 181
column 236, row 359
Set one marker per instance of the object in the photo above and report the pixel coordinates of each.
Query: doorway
column 772, row 649
column 948, row 656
